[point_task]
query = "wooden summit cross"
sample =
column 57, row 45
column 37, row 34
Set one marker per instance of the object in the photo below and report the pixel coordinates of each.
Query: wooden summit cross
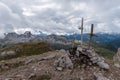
column 91, row 35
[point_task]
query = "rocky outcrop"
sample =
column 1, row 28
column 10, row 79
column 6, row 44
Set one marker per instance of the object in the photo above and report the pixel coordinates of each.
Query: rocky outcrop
column 63, row 62
column 27, row 34
column 116, row 59
column 6, row 54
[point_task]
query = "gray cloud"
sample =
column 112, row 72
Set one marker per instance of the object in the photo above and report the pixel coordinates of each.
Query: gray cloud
column 58, row 16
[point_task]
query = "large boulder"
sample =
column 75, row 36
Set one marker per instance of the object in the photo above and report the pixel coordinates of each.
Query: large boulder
column 103, row 65
column 63, row 62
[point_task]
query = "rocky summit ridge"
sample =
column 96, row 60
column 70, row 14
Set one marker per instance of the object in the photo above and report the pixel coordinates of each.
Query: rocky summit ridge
column 79, row 63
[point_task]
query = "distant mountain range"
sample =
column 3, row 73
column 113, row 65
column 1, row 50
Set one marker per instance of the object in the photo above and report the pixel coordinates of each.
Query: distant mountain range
column 103, row 38
column 112, row 41
column 53, row 40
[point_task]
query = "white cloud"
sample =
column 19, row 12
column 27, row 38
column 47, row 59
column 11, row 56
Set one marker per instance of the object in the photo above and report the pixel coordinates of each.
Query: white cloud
column 58, row 16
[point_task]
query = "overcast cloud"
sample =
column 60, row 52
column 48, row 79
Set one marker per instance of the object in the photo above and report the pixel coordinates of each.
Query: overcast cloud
column 58, row 16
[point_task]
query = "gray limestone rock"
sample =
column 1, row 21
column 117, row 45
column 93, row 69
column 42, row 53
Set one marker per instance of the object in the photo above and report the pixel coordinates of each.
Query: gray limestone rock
column 62, row 50
column 117, row 65
column 99, row 76
column 63, row 62
column 103, row 65
column 116, row 58
column 59, row 68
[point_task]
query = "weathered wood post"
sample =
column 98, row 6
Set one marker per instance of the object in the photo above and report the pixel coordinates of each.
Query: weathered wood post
column 91, row 35
column 81, row 28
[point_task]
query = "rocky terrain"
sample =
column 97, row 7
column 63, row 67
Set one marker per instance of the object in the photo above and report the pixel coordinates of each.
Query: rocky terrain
column 60, row 65
column 32, row 59
column 116, row 59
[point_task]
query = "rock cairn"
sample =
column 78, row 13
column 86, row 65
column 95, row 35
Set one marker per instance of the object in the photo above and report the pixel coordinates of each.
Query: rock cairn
column 80, row 55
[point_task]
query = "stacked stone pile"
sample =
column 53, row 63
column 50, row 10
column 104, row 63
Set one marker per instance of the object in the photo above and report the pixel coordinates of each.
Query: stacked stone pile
column 90, row 57
column 81, row 55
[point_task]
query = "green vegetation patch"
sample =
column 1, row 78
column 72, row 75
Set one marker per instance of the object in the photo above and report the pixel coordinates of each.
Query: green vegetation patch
column 105, row 52
column 27, row 49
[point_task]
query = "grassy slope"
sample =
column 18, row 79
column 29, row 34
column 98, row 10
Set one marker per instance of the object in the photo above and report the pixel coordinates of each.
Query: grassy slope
column 27, row 49
column 104, row 50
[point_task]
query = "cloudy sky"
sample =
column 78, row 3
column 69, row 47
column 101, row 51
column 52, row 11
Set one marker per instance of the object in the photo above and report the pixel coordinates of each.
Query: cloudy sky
column 58, row 16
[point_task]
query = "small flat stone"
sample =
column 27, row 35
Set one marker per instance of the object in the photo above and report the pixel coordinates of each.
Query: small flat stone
column 59, row 68
column 9, row 79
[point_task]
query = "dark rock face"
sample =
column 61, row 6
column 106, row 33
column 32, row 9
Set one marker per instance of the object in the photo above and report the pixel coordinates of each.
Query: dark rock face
column 27, row 34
